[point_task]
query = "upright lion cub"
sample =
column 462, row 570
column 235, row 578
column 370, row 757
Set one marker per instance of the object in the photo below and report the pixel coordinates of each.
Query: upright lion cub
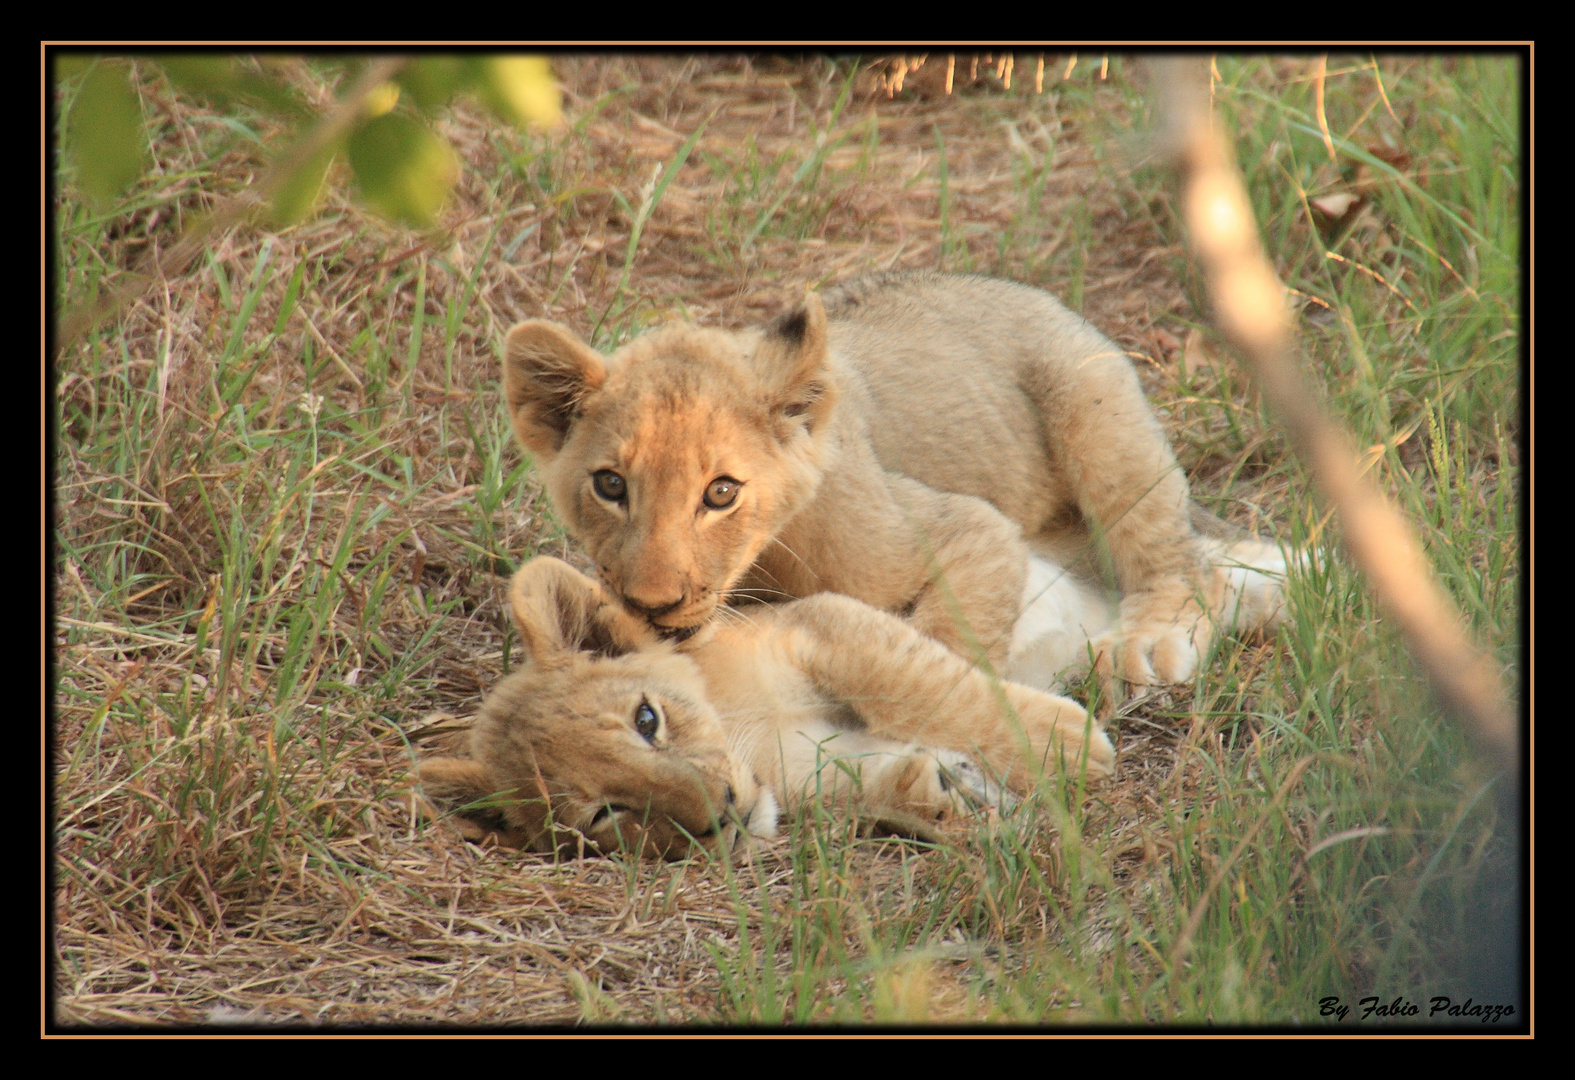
column 902, row 439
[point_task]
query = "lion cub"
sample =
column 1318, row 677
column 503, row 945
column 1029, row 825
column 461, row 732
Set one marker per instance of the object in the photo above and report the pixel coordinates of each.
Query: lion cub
column 614, row 737
column 902, row 439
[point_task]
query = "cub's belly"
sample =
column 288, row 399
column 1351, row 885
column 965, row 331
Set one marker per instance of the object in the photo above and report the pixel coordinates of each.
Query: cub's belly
column 1061, row 615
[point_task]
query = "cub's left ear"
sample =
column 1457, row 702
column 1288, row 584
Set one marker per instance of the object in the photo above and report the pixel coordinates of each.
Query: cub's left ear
column 547, row 373
column 793, row 362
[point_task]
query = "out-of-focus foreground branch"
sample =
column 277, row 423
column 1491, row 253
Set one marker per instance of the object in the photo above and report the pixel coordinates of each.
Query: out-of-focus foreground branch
column 172, row 260
column 1250, row 305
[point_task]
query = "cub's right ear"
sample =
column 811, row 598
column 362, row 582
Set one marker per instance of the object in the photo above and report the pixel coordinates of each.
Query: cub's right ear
column 560, row 611
column 547, row 373
column 465, row 789
column 793, row 360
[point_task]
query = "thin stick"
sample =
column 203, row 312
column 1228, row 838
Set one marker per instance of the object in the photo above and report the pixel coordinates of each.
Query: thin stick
column 1249, row 300
column 1323, row 119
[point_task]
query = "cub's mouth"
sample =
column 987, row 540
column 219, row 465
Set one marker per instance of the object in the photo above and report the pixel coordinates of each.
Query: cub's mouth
column 694, row 620
column 676, row 622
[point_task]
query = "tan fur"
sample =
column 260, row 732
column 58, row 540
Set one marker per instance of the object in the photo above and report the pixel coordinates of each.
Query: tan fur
column 824, row 698
column 903, row 440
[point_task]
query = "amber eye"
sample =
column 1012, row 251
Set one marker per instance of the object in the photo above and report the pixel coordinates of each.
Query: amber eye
column 609, row 485
column 646, row 721
column 722, row 493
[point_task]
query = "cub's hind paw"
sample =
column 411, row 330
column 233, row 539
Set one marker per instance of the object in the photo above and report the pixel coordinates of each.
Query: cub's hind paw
column 962, row 777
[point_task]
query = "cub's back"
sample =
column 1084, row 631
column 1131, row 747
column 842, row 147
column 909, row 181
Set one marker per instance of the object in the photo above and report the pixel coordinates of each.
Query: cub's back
column 952, row 370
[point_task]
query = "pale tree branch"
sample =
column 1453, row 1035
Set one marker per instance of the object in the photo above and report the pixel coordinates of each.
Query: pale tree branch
column 159, row 265
column 1249, row 302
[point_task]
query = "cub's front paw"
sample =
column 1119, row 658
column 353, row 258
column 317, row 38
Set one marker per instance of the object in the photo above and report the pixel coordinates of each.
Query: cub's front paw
column 1129, row 661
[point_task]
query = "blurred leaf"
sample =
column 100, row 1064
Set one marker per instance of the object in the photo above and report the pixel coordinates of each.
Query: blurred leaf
column 432, row 81
column 298, row 196
column 382, row 99
column 405, row 171
column 210, row 76
column 70, row 65
column 1336, row 206
column 221, row 80
column 520, row 88
column 104, row 139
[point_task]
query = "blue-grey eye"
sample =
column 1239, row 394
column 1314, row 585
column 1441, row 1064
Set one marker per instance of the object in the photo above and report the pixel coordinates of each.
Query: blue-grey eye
column 609, row 485
column 646, row 721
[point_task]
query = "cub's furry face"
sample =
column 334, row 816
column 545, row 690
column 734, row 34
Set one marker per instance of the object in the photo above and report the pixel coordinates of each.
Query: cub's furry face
column 678, row 458
column 603, row 741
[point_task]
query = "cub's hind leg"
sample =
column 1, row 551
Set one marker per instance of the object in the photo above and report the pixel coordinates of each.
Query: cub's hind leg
column 1114, row 464
column 1247, row 585
column 1242, row 588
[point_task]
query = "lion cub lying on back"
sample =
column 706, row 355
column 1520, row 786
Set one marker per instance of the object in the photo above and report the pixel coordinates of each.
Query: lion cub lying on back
column 612, row 736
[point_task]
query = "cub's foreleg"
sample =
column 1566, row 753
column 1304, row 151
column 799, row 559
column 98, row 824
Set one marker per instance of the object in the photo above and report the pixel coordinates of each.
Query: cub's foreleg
column 1117, row 465
column 977, row 565
column 822, row 760
column 907, row 687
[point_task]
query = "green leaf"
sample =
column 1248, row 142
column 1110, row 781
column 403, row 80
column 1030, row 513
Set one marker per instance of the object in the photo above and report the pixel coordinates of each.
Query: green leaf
column 432, row 81
column 70, row 65
column 210, row 76
column 405, row 171
column 298, row 196
column 520, row 88
column 105, row 140
column 221, row 80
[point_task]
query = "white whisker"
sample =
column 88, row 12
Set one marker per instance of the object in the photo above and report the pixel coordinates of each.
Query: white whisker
column 778, row 542
column 738, row 617
column 754, row 593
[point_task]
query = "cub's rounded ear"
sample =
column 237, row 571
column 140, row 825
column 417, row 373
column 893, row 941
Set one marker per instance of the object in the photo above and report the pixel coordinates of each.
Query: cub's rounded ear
column 560, row 612
column 465, row 789
column 547, row 372
column 465, row 792
column 793, row 362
